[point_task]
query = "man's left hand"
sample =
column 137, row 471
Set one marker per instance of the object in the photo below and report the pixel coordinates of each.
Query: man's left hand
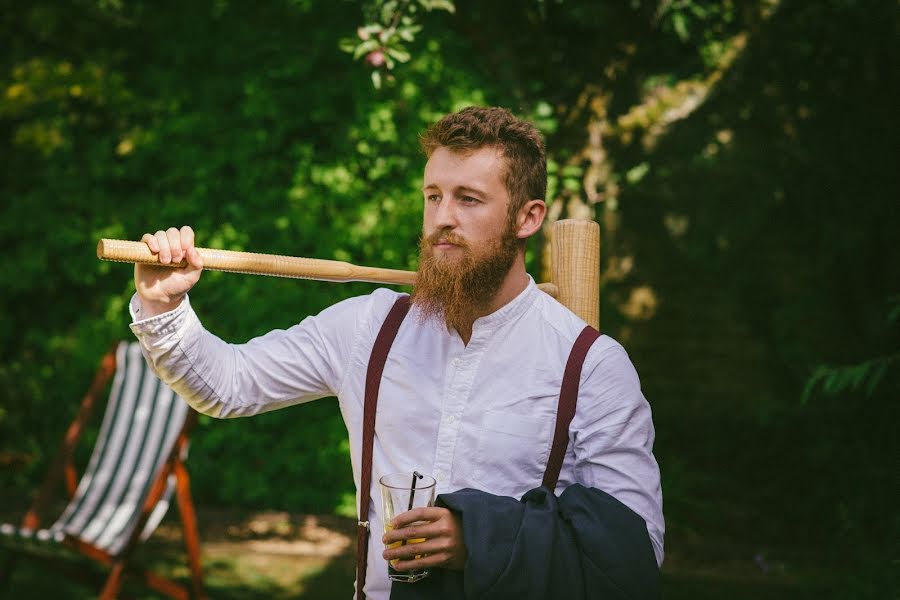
column 443, row 545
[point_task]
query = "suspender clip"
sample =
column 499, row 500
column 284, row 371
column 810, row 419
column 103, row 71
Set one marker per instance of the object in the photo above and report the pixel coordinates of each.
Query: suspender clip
column 362, row 524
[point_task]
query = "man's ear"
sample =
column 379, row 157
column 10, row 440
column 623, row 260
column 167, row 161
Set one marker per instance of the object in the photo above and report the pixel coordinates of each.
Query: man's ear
column 530, row 218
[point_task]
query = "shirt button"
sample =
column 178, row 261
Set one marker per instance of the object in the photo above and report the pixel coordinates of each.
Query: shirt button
column 438, row 475
column 451, row 419
column 455, row 362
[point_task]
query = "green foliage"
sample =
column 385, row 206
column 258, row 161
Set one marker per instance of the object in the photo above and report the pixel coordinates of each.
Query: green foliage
column 866, row 376
column 383, row 40
column 739, row 152
column 138, row 123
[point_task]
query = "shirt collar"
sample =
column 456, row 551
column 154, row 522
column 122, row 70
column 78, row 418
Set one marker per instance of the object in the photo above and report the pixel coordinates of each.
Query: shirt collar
column 509, row 311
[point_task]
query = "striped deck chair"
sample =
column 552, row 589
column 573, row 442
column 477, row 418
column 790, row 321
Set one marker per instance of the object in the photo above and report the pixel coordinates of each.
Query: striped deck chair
column 136, row 465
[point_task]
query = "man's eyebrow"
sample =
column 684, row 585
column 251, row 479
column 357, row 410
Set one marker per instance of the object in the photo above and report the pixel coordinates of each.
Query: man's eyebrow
column 460, row 189
column 464, row 189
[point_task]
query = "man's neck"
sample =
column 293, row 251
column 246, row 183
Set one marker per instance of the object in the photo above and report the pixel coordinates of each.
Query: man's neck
column 513, row 285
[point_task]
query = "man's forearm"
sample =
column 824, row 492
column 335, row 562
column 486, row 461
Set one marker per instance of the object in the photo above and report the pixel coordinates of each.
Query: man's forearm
column 281, row 368
column 174, row 345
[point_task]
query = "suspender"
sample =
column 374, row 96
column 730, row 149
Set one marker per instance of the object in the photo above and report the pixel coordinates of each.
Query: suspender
column 373, row 381
column 568, row 396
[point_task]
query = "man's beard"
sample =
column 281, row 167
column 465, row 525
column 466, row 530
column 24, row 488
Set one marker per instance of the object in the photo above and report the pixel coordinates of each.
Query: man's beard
column 458, row 289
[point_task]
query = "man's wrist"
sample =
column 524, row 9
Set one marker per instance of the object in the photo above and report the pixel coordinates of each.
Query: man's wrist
column 151, row 308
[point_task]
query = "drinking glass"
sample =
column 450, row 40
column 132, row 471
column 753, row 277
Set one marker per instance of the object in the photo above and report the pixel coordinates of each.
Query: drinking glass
column 401, row 492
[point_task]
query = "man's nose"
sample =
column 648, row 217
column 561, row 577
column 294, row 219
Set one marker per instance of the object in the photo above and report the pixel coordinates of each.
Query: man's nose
column 445, row 215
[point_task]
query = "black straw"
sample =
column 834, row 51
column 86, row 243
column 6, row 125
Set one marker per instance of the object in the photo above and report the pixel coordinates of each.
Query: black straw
column 412, row 494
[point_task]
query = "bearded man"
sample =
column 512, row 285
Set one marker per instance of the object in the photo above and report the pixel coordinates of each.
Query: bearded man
column 469, row 389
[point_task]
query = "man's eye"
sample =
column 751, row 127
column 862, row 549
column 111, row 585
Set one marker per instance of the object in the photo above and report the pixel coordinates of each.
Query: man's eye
column 432, row 197
column 470, row 200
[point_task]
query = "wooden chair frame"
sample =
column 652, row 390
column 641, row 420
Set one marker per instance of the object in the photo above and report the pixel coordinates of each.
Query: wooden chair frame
column 120, row 565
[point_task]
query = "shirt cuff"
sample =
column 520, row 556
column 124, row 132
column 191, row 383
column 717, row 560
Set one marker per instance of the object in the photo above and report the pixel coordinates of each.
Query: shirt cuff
column 162, row 324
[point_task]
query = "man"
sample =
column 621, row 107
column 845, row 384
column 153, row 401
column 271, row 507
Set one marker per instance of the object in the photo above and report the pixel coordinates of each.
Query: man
column 470, row 388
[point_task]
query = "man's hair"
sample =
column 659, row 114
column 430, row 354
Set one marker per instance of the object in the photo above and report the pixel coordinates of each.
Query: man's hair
column 519, row 142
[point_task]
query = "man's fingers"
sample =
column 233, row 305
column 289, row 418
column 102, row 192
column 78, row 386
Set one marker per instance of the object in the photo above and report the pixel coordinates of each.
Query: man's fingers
column 190, row 252
column 434, row 527
column 151, row 242
column 425, row 513
column 419, row 530
column 432, row 560
column 175, row 244
column 195, row 261
column 162, row 243
column 410, row 551
column 431, row 542
column 427, row 522
column 187, row 238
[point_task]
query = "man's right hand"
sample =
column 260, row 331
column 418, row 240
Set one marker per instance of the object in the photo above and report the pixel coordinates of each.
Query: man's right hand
column 162, row 289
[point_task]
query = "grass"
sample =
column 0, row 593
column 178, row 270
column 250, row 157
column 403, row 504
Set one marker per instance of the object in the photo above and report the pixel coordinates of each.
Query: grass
column 246, row 555
column 275, row 555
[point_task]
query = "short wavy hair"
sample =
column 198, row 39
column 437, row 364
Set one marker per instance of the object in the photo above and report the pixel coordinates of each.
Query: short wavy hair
column 519, row 142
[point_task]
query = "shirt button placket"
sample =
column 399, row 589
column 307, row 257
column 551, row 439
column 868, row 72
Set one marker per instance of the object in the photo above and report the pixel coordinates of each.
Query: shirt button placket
column 448, row 429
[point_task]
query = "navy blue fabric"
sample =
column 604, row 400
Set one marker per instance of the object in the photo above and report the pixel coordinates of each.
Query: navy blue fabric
column 584, row 544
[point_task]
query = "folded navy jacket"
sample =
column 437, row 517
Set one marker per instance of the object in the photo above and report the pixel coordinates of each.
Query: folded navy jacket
column 584, row 544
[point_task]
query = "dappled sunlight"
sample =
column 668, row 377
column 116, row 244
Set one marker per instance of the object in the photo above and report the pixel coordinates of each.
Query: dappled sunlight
column 676, row 224
column 75, row 95
column 274, row 553
column 663, row 105
column 308, row 537
column 641, row 304
column 737, row 156
column 617, row 269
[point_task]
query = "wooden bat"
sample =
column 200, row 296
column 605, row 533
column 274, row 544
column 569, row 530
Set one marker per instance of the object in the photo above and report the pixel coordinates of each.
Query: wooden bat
column 260, row 264
column 575, row 266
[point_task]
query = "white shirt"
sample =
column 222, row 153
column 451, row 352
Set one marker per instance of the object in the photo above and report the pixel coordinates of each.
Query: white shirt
column 480, row 415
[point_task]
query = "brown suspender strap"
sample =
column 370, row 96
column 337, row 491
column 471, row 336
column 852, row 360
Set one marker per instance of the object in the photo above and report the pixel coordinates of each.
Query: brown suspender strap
column 568, row 397
column 380, row 350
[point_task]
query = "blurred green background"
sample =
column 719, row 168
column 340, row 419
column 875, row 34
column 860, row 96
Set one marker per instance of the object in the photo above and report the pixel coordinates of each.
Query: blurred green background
column 740, row 157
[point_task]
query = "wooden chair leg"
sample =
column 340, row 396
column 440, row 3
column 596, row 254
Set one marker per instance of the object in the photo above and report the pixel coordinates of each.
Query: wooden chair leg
column 189, row 528
column 114, row 581
column 166, row 586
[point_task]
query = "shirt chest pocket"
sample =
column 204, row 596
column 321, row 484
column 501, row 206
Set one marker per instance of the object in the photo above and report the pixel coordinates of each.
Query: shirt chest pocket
column 511, row 452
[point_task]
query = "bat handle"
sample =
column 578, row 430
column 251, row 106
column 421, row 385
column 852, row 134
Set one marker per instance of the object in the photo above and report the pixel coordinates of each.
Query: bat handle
column 132, row 252
column 260, row 264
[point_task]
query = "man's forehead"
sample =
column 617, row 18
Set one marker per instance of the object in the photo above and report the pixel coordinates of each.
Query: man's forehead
column 486, row 164
column 469, row 151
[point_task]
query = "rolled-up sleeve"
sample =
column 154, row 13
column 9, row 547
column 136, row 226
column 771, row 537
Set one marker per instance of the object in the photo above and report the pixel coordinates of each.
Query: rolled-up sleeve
column 278, row 369
column 613, row 439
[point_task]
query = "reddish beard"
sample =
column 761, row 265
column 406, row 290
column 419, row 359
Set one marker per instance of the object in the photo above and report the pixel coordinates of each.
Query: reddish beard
column 458, row 289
